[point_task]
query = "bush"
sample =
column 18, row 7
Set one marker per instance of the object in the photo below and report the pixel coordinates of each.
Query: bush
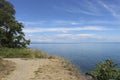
column 106, row 71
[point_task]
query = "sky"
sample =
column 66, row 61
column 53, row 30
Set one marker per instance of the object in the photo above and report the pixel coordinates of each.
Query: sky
column 69, row 21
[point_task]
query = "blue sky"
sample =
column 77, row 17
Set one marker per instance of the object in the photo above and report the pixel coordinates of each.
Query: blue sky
column 69, row 20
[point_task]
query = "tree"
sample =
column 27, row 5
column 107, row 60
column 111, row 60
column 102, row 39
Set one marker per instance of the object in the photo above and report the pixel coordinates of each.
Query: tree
column 11, row 34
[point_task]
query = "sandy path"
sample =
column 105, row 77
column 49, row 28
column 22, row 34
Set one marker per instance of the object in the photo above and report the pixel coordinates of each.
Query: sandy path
column 40, row 69
column 55, row 70
column 25, row 68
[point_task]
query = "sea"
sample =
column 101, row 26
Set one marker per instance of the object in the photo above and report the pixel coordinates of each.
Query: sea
column 84, row 56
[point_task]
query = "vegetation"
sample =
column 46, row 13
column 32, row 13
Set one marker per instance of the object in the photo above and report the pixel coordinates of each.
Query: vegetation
column 22, row 53
column 106, row 71
column 11, row 34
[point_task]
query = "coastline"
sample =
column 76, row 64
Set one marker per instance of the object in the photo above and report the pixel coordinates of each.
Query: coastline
column 29, row 64
column 42, row 69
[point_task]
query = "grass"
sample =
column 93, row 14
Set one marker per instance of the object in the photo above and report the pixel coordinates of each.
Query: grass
column 22, row 53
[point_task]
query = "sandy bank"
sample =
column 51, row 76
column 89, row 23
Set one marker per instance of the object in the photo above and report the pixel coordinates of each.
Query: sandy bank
column 41, row 69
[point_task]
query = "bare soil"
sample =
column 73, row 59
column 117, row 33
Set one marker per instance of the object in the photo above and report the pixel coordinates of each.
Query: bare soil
column 41, row 69
column 6, row 67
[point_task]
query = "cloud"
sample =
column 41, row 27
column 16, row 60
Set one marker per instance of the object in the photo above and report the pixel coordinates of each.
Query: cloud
column 86, row 7
column 80, row 35
column 60, row 23
column 66, row 38
column 92, row 7
column 64, row 22
column 61, row 37
column 78, row 10
column 32, row 23
column 103, row 22
column 75, row 36
column 36, row 30
column 85, row 37
column 40, row 38
column 113, row 10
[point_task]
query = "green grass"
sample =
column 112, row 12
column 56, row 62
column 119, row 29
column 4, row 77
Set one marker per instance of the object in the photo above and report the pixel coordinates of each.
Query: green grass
column 21, row 53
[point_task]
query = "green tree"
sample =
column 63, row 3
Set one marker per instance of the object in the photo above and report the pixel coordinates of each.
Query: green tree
column 11, row 34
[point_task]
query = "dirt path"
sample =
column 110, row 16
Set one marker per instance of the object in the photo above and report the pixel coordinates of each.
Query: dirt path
column 25, row 68
column 40, row 69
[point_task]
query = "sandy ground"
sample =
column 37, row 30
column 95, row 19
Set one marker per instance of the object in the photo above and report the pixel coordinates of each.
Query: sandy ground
column 40, row 69
column 6, row 67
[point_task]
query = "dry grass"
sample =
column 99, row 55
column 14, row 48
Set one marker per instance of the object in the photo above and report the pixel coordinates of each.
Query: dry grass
column 73, row 70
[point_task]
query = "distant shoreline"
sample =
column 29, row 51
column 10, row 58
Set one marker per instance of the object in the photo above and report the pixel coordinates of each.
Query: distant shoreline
column 75, row 43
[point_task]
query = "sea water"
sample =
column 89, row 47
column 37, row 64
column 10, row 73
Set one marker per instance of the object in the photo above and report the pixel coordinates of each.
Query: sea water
column 84, row 55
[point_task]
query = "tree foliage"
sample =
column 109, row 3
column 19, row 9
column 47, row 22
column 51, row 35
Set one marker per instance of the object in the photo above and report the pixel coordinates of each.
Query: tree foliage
column 106, row 71
column 11, row 34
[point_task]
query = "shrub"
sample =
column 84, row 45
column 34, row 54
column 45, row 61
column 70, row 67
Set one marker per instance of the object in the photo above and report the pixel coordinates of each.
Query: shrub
column 106, row 71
